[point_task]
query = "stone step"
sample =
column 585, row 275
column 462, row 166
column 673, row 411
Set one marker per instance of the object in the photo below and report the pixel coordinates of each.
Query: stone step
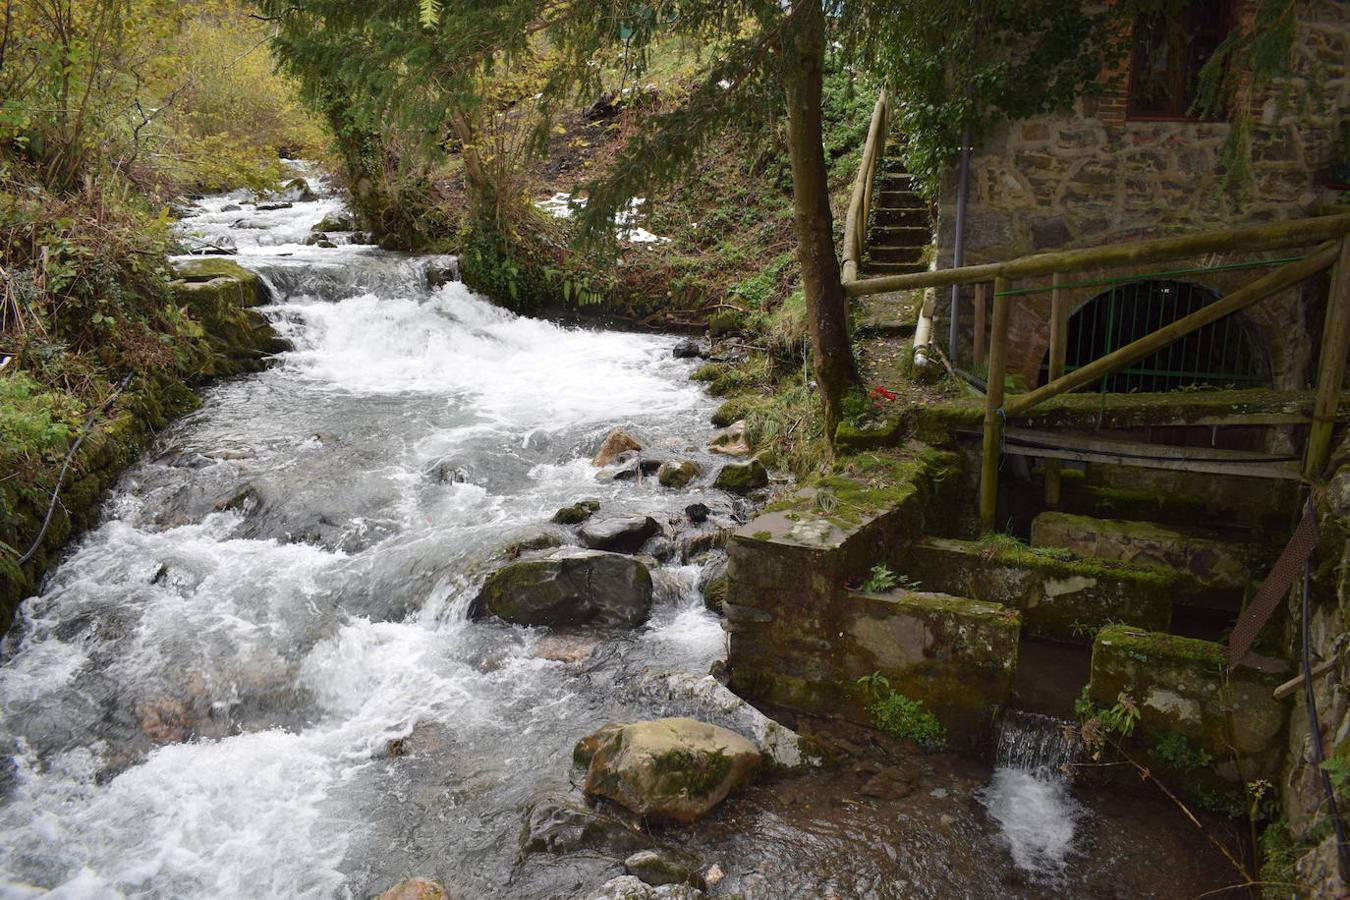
column 1060, row 596
column 912, row 217
column 1212, row 568
column 884, row 268
column 895, row 254
column 899, row 200
column 897, row 181
column 900, row 235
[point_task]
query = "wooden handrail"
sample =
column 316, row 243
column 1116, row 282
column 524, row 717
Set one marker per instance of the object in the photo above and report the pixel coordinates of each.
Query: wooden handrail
column 1281, row 235
column 860, row 201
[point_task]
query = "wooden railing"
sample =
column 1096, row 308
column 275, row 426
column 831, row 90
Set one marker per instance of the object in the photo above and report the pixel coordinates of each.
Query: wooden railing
column 860, row 201
column 1330, row 234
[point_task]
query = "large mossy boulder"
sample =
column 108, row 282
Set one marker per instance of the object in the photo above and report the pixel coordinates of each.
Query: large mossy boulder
column 676, row 475
column 220, row 295
column 666, row 770
column 568, row 587
column 742, row 478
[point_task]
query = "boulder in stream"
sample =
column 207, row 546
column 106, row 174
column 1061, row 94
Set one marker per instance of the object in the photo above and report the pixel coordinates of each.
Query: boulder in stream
column 297, row 190
column 630, row 887
column 626, row 535
column 418, row 889
column 568, row 587
column 731, row 441
column 666, row 770
column 560, row 825
column 742, row 478
column 617, row 444
column 576, row 513
column 665, row 865
column 674, row 474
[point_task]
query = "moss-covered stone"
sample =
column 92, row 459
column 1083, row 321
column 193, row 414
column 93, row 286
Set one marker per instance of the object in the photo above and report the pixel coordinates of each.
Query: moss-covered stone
column 576, row 513
column 1059, row 596
column 677, row 474
column 734, row 410
column 742, row 478
column 1183, row 687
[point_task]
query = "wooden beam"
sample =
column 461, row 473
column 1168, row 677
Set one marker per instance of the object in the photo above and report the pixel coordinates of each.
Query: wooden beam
column 1278, row 236
column 1284, row 471
column 993, row 407
column 1330, row 366
column 859, row 204
column 1296, row 682
column 1283, row 277
column 1059, row 350
column 981, row 315
column 1092, row 442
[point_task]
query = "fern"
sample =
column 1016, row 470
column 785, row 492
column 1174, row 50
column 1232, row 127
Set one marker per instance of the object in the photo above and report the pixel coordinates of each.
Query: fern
column 429, row 13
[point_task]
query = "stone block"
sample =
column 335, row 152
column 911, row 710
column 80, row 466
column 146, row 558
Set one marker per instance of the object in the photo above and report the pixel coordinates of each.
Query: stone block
column 1228, row 720
column 1207, row 564
column 956, row 655
column 1059, row 596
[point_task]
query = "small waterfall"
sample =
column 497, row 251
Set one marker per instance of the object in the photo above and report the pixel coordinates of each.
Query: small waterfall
column 1028, row 793
column 1042, row 745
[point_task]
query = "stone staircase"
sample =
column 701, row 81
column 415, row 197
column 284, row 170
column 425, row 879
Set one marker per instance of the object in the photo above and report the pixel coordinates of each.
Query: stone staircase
column 901, row 228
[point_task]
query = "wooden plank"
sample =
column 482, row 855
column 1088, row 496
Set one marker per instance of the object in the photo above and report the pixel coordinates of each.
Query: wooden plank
column 993, row 407
column 1283, row 277
column 1071, row 441
column 1287, row 471
column 1295, row 683
column 1330, row 365
column 981, row 315
column 855, row 220
column 1059, row 350
column 1278, row 236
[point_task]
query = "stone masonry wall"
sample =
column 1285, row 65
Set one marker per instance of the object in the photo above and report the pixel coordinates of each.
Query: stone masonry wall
column 1091, row 176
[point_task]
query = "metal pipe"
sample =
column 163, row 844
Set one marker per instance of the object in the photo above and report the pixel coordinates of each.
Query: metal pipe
column 959, row 244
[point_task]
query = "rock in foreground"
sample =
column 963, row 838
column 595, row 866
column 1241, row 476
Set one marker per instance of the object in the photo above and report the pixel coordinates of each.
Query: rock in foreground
column 666, row 770
column 568, row 587
column 742, row 478
column 417, row 889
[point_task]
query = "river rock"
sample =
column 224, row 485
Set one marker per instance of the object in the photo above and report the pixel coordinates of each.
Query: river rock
column 626, row 535
column 568, row 587
column 559, row 825
column 576, row 513
column 418, row 889
column 630, row 887
column 697, row 512
column 666, row 770
column 687, row 349
column 334, row 222
column 674, row 474
column 742, row 478
column 730, row 441
column 617, row 444
column 665, row 865
column 565, row 648
column 638, row 469
column 269, row 207
column 297, row 190
column 710, row 700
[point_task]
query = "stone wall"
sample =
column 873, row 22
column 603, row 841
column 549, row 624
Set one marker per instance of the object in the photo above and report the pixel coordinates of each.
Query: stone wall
column 1091, row 176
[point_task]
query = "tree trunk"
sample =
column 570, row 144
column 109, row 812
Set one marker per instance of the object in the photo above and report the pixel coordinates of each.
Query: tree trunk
column 803, row 66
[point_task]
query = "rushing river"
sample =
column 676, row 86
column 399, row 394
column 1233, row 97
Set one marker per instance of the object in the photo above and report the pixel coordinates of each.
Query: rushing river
column 202, row 700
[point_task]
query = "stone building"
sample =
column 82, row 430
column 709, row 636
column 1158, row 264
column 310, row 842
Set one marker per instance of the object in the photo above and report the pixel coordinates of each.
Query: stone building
column 1132, row 162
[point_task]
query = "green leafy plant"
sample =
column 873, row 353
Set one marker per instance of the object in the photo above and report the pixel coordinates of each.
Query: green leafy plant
column 1177, row 751
column 901, row 716
column 880, row 580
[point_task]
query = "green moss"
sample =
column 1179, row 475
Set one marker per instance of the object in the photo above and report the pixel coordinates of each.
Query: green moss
column 1156, row 646
column 684, row 773
column 708, row 372
column 732, row 411
column 742, row 478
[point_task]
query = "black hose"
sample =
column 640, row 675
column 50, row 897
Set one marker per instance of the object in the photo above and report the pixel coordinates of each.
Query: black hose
column 1315, row 727
column 65, row 466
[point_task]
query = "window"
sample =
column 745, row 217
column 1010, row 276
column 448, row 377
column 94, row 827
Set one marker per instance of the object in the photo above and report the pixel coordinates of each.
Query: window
column 1170, row 48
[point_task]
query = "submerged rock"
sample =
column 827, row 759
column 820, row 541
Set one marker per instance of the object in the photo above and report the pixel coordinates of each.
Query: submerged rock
column 625, row 535
column 742, row 478
column 665, row 865
column 697, row 512
column 666, row 770
column 559, row 825
column 568, row 587
column 677, row 474
column 617, row 444
column 576, row 513
column 688, row 349
column 418, row 889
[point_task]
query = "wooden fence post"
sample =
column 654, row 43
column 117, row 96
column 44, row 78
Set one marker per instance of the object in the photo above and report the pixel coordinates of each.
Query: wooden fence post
column 981, row 314
column 1059, row 347
column 1330, row 365
column 993, row 407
